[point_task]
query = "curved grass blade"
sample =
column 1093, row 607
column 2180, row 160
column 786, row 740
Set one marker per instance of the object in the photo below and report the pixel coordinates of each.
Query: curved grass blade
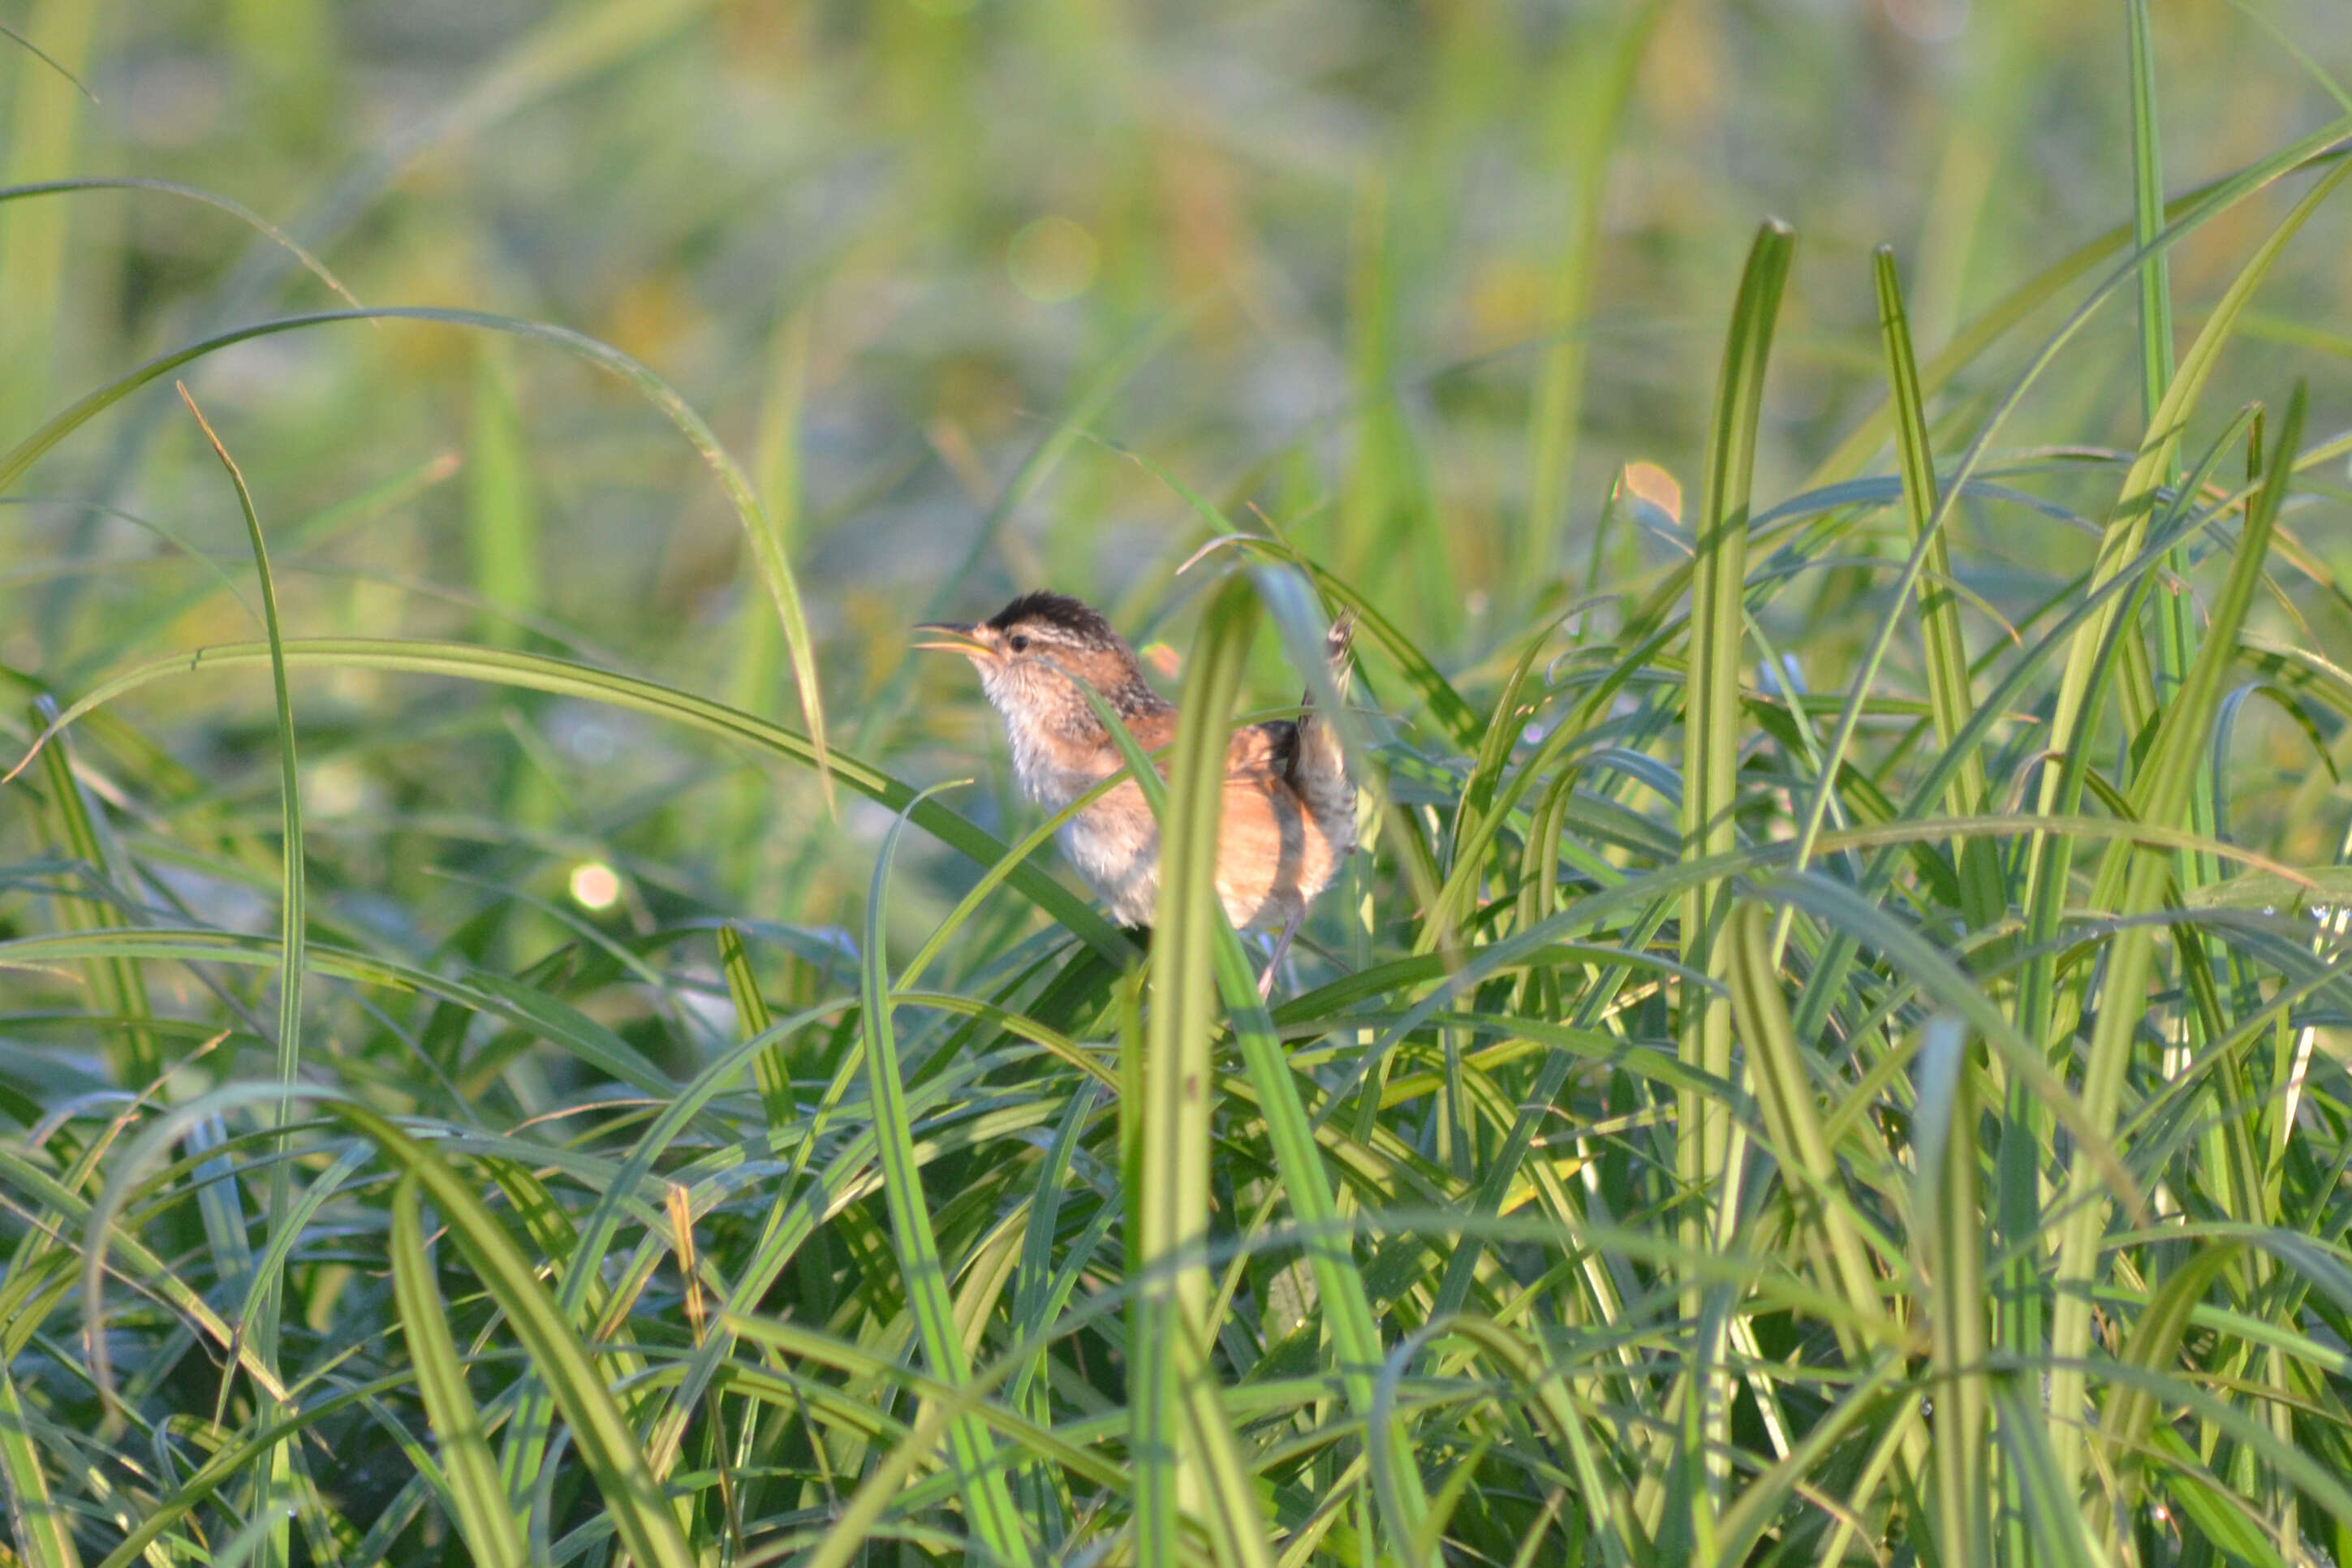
column 641, row 1514
column 243, row 214
column 539, row 672
column 293, row 926
column 775, row 571
column 2163, row 795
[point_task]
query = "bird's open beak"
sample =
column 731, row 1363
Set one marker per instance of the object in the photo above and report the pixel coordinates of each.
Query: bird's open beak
column 954, row 636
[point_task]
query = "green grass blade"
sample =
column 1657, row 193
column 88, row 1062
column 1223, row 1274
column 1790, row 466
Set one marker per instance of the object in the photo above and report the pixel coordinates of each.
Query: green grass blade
column 1169, row 1255
column 1711, row 759
column 2051, row 1514
column 1590, row 96
column 772, row 1071
column 2132, row 1409
column 775, row 571
column 119, row 986
column 988, row 1500
column 1784, row 1090
column 538, row 672
column 293, row 927
column 2163, row 797
column 1940, row 612
column 42, row 1532
column 641, row 1514
column 1949, row 1244
column 2147, row 215
column 502, row 541
column 484, row 1517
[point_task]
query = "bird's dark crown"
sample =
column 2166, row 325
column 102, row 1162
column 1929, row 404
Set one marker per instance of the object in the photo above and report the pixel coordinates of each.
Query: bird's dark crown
column 1078, row 621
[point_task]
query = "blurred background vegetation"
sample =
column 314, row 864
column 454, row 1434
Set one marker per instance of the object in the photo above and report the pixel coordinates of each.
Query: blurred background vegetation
column 1414, row 279
column 982, row 295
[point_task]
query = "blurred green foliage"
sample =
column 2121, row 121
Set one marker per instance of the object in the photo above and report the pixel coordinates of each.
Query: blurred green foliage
column 1373, row 257
column 1673, row 1124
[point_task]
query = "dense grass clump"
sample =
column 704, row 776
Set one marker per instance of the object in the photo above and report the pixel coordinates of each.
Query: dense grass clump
column 1834, row 1049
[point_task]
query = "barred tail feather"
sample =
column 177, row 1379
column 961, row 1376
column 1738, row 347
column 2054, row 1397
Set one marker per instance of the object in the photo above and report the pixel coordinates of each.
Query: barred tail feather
column 1318, row 766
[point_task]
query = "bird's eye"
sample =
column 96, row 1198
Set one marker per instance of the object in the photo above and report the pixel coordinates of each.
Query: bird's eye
column 1020, row 642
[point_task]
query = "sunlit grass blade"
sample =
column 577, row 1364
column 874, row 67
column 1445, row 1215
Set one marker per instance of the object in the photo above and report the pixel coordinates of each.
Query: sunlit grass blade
column 1946, row 650
column 118, row 984
column 1948, row 1221
column 1168, row 1260
column 2161, row 794
column 1704, row 1135
column 642, row 1516
column 988, row 1501
column 483, row 1514
column 41, row 1529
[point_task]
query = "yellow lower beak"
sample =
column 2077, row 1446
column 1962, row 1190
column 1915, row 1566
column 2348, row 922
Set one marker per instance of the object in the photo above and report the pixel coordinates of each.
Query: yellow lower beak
column 954, row 636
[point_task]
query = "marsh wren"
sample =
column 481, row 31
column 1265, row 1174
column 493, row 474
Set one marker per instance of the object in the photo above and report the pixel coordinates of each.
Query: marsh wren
column 1289, row 815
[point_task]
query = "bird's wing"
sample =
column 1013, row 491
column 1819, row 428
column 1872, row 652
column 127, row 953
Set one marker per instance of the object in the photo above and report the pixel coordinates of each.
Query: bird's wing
column 1152, row 731
column 1263, row 750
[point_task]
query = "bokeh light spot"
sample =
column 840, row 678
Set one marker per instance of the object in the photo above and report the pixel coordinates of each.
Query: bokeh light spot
column 1052, row 259
column 594, row 885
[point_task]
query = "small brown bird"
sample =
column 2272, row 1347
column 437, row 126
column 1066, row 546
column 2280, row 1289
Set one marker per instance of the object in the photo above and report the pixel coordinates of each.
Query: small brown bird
column 1289, row 817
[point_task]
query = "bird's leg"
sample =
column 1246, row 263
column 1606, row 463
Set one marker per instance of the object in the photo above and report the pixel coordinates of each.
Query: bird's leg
column 1281, row 949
